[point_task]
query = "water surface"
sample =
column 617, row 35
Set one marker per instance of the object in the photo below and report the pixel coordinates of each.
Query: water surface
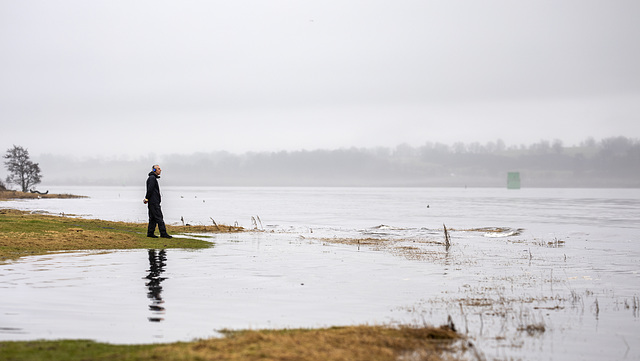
column 560, row 281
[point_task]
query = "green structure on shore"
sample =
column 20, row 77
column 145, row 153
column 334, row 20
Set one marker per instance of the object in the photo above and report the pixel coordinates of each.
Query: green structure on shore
column 513, row 180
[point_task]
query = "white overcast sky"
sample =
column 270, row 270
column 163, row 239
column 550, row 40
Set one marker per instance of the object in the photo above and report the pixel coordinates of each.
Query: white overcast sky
column 139, row 77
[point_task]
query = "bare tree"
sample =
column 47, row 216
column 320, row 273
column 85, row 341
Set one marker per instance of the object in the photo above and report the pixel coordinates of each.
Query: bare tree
column 22, row 171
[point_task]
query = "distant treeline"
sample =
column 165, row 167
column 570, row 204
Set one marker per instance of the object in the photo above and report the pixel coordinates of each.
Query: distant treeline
column 611, row 162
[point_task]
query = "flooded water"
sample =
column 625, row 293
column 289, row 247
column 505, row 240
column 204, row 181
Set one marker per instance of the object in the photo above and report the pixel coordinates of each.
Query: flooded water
column 545, row 274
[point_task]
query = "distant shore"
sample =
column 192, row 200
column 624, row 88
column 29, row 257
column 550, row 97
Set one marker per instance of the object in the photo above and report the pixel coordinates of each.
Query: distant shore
column 7, row 195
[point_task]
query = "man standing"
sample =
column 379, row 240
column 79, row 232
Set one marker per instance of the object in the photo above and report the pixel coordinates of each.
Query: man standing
column 153, row 200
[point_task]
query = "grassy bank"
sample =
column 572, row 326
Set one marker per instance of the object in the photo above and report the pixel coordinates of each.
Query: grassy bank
column 369, row 343
column 23, row 234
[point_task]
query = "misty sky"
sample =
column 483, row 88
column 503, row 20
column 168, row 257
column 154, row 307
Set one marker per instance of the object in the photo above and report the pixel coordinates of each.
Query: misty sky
column 139, row 77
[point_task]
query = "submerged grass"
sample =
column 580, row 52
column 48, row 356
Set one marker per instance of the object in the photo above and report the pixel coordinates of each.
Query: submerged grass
column 23, row 234
column 412, row 249
column 371, row 343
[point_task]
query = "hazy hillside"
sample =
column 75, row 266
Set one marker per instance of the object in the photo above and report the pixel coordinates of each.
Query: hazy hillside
column 612, row 162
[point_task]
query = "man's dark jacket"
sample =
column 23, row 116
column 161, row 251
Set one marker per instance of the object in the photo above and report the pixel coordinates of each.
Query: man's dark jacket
column 153, row 190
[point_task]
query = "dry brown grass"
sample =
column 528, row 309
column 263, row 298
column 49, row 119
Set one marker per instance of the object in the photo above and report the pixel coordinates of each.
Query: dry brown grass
column 371, row 343
column 220, row 228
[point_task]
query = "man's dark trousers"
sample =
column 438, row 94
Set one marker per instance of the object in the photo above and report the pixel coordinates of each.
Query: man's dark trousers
column 156, row 218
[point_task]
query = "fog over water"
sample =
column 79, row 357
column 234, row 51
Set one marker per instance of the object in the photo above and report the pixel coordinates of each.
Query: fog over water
column 610, row 163
column 122, row 79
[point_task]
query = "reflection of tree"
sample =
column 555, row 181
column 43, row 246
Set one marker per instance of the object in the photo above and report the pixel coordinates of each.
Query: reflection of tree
column 156, row 268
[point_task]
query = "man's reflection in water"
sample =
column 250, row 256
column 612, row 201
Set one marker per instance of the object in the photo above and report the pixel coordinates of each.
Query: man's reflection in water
column 156, row 268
